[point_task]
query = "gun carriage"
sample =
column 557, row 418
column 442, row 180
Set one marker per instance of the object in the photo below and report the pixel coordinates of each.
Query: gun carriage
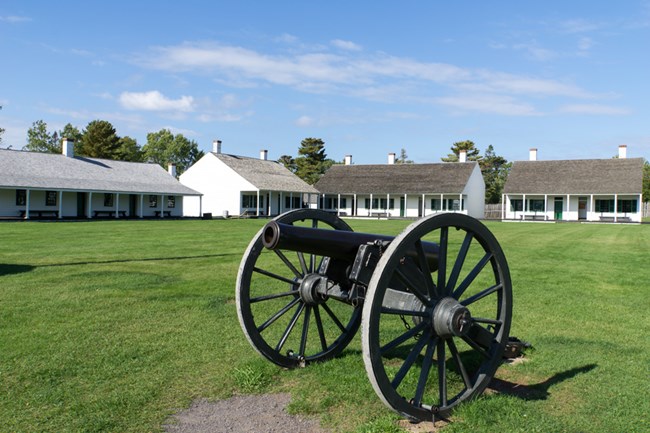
column 434, row 303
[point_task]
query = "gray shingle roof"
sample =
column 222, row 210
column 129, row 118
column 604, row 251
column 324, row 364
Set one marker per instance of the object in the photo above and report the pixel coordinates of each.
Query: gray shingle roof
column 265, row 174
column 25, row 170
column 443, row 178
column 580, row 176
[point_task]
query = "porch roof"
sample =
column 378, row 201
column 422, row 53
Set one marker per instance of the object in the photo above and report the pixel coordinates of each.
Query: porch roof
column 442, row 178
column 580, row 176
column 33, row 170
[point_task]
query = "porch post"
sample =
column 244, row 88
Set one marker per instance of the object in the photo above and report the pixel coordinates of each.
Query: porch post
column 60, row 204
column 442, row 202
column 258, row 203
column 162, row 214
column 117, row 205
column 568, row 202
column 90, row 204
column 27, row 204
column 523, row 208
column 141, row 205
column 280, row 208
column 503, row 206
column 461, row 202
column 615, row 207
column 354, row 205
column 200, row 206
column 591, row 205
column 387, row 203
column 338, row 205
column 545, row 207
column 291, row 200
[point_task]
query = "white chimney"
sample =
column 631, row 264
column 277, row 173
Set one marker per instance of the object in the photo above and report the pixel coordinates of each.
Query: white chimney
column 171, row 169
column 462, row 156
column 68, row 147
column 264, row 154
column 391, row 158
column 622, row 151
column 532, row 155
column 216, row 146
column 348, row 159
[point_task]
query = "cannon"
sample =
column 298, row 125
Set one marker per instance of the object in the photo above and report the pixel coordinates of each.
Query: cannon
column 434, row 303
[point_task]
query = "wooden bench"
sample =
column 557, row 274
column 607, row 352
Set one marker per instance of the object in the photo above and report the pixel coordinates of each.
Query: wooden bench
column 109, row 213
column 609, row 219
column 534, row 217
column 379, row 214
column 165, row 213
column 39, row 213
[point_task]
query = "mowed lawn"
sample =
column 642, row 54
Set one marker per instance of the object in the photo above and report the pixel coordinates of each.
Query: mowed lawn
column 114, row 326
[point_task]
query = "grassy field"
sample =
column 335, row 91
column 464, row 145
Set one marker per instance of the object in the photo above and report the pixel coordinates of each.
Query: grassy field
column 113, row 326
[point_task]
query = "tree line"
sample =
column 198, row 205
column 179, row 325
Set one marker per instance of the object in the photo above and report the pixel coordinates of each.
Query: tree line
column 99, row 139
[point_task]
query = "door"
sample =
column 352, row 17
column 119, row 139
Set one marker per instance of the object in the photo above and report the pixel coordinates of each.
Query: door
column 419, row 206
column 81, row 204
column 133, row 205
column 582, row 208
column 402, row 206
column 559, row 205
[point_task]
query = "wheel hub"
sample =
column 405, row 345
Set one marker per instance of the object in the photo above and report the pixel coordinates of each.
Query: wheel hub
column 451, row 318
column 308, row 289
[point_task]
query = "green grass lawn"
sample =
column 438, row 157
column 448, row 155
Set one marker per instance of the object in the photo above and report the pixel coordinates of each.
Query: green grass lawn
column 113, row 326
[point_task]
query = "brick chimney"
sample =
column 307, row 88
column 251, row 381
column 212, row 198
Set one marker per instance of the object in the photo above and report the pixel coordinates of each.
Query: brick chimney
column 532, row 155
column 391, row 158
column 348, row 159
column 622, row 151
column 462, row 156
column 67, row 147
column 216, row 146
column 171, row 169
column 264, row 154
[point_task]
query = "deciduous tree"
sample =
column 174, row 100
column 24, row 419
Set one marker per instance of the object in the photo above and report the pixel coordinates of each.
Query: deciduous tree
column 73, row 133
column 40, row 140
column 163, row 147
column 646, row 182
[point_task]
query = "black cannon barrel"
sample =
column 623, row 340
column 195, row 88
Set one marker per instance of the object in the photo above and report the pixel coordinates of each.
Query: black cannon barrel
column 338, row 244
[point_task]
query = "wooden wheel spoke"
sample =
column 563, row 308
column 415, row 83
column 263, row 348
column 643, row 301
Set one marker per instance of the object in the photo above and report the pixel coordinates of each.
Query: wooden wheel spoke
column 305, row 331
column 275, row 276
column 319, row 326
column 442, row 256
column 290, row 327
column 460, row 260
column 303, row 263
column 410, row 359
column 277, row 315
column 472, row 275
column 426, row 271
column 481, row 294
column 424, row 372
column 273, row 296
column 415, row 288
column 459, row 363
column 330, row 313
column 402, row 338
column 289, row 265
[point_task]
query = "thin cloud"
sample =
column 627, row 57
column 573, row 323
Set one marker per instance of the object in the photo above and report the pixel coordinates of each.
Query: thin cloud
column 155, row 101
column 491, row 104
column 594, row 109
column 346, row 45
column 14, row 19
column 304, row 121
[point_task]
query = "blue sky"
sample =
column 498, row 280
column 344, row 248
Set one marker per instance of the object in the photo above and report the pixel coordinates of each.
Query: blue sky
column 568, row 78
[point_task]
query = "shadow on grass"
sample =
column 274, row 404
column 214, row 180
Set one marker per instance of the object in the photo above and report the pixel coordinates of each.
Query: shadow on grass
column 147, row 259
column 7, row 269
column 538, row 391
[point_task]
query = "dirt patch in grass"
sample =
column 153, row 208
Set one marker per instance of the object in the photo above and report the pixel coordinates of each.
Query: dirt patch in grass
column 249, row 413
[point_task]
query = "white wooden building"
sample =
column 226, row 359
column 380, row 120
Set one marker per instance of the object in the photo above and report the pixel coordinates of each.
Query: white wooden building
column 575, row 190
column 56, row 186
column 403, row 190
column 235, row 185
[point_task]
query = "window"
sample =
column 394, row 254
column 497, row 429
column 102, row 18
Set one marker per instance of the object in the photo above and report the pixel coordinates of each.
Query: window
column 536, row 205
column 50, row 198
column 249, row 201
column 153, row 201
column 171, row 201
column 21, row 197
column 292, row 202
column 604, row 205
column 108, row 200
column 626, row 206
column 436, row 204
column 516, row 205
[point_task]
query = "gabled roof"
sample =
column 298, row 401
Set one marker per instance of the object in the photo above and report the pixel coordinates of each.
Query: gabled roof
column 580, row 176
column 443, row 178
column 265, row 174
column 33, row 170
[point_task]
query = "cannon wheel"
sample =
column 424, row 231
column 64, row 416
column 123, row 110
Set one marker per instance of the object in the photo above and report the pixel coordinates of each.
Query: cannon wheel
column 443, row 343
column 277, row 322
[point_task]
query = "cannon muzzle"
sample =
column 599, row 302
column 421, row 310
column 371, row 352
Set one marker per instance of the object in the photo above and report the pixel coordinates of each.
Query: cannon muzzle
column 337, row 244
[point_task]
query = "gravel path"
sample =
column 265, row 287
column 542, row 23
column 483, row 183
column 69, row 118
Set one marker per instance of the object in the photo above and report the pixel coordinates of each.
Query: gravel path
column 251, row 413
